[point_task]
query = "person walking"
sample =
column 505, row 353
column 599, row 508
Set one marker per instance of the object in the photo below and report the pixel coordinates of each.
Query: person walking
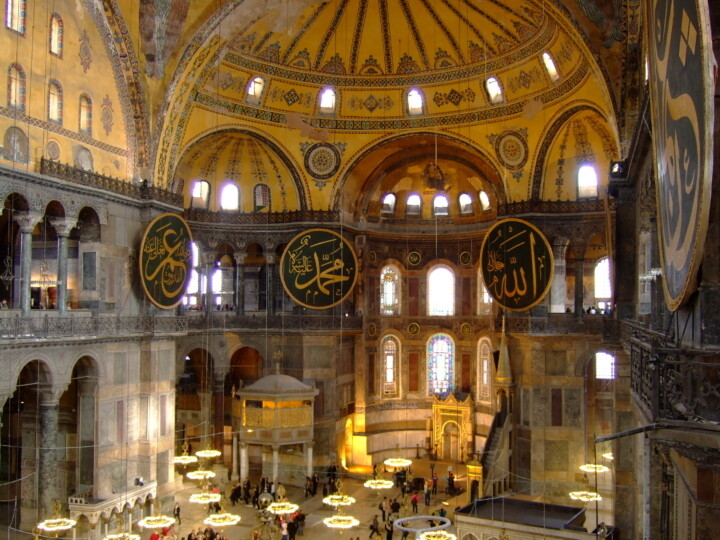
column 176, row 513
column 384, row 507
column 414, row 501
column 388, row 530
column 375, row 527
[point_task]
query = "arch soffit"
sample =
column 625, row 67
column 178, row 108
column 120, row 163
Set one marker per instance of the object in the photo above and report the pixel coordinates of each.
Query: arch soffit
column 275, row 146
column 554, row 126
column 219, row 362
column 38, row 198
column 583, row 360
column 395, row 263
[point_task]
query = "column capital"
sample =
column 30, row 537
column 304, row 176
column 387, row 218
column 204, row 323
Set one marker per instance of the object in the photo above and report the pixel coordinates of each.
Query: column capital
column 63, row 226
column 240, row 258
column 270, row 258
column 50, row 394
column 27, row 220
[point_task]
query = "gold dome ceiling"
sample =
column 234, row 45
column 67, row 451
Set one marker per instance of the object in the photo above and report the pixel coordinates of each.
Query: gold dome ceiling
column 390, row 37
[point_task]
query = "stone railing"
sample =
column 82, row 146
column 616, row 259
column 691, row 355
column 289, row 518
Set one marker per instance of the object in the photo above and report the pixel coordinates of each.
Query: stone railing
column 49, row 324
column 554, row 207
column 224, row 320
column 95, row 510
column 262, row 218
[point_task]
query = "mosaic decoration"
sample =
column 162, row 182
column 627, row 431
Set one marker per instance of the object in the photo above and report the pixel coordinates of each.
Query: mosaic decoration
column 165, row 260
column 443, row 60
column 106, row 115
column 525, row 79
column 290, row 97
column 318, row 269
column 53, row 150
column 682, row 111
column 516, row 261
column 414, row 258
column 560, row 178
column 371, row 67
column 454, row 97
column 85, row 52
column 302, row 60
column 322, row 160
column 407, row 65
column 511, row 149
column 335, row 65
column 228, row 82
column 371, row 103
column 583, row 149
column 413, row 329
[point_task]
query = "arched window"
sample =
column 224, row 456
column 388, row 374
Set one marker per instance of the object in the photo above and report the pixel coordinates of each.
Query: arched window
column 484, row 201
column 193, row 289
column 55, row 101
column 441, row 291
column 465, row 202
column 494, row 91
column 441, row 205
column 550, row 67
column 85, row 120
column 389, row 291
column 388, row 204
column 230, row 197
column 414, row 102
column 587, row 182
column 603, row 289
column 327, row 101
column 254, row 90
column 16, row 87
column 484, row 298
column 390, row 349
column 261, row 198
column 484, row 375
column 440, row 364
column 56, row 35
column 412, row 207
column 15, row 13
column 604, row 366
column 200, row 194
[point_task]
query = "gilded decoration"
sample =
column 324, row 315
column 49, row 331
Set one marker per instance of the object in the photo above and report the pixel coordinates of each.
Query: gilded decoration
column 451, row 411
column 511, row 149
column 454, row 97
column 84, row 51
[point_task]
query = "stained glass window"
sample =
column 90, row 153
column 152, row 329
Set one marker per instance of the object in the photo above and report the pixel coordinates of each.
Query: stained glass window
column 389, row 291
column 440, row 364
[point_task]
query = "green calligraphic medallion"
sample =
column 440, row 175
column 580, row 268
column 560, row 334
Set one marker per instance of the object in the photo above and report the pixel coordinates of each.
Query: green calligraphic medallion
column 517, row 264
column 165, row 260
column 681, row 87
column 318, row 269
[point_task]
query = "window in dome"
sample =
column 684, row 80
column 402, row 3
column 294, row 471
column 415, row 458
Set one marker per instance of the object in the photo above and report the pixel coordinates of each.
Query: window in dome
column 16, row 87
column 327, row 101
column 261, row 195
column 465, row 202
column 441, row 291
column 56, row 35
column 587, row 182
column 390, row 291
column 230, row 197
column 200, row 194
column 550, row 67
column 15, row 13
column 388, row 204
column 414, row 102
column 440, row 364
column 85, row 120
column 254, row 90
column 55, row 101
column 603, row 288
column 494, row 91
column 390, row 349
column 484, row 201
column 413, row 205
column 604, row 366
column 441, row 205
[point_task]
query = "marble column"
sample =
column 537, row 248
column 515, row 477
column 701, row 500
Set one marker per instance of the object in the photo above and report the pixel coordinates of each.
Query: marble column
column 206, row 416
column 309, row 455
column 26, row 223
column 579, row 275
column 85, row 461
column 275, row 462
column 47, row 455
column 270, row 261
column 240, row 284
column 557, row 289
column 218, row 408
column 234, row 465
column 62, row 227
column 244, row 462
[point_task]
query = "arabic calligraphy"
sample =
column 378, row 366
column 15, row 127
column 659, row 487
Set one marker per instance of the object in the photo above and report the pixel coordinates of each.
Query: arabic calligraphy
column 318, row 269
column 165, row 260
column 517, row 264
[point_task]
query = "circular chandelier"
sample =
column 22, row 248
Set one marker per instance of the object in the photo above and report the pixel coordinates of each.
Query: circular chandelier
column 398, row 462
column 208, row 453
column 338, row 500
column 608, row 455
column 585, row 496
column 156, row 522
column 593, row 468
column 221, row 520
column 56, row 524
column 122, row 536
column 185, row 459
column 205, row 498
column 200, row 475
column 437, row 535
column 341, row 522
column 378, row 484
column 282, row 507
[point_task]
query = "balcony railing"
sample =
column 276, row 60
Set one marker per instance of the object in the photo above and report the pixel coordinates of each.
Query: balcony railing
column 224, row 320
